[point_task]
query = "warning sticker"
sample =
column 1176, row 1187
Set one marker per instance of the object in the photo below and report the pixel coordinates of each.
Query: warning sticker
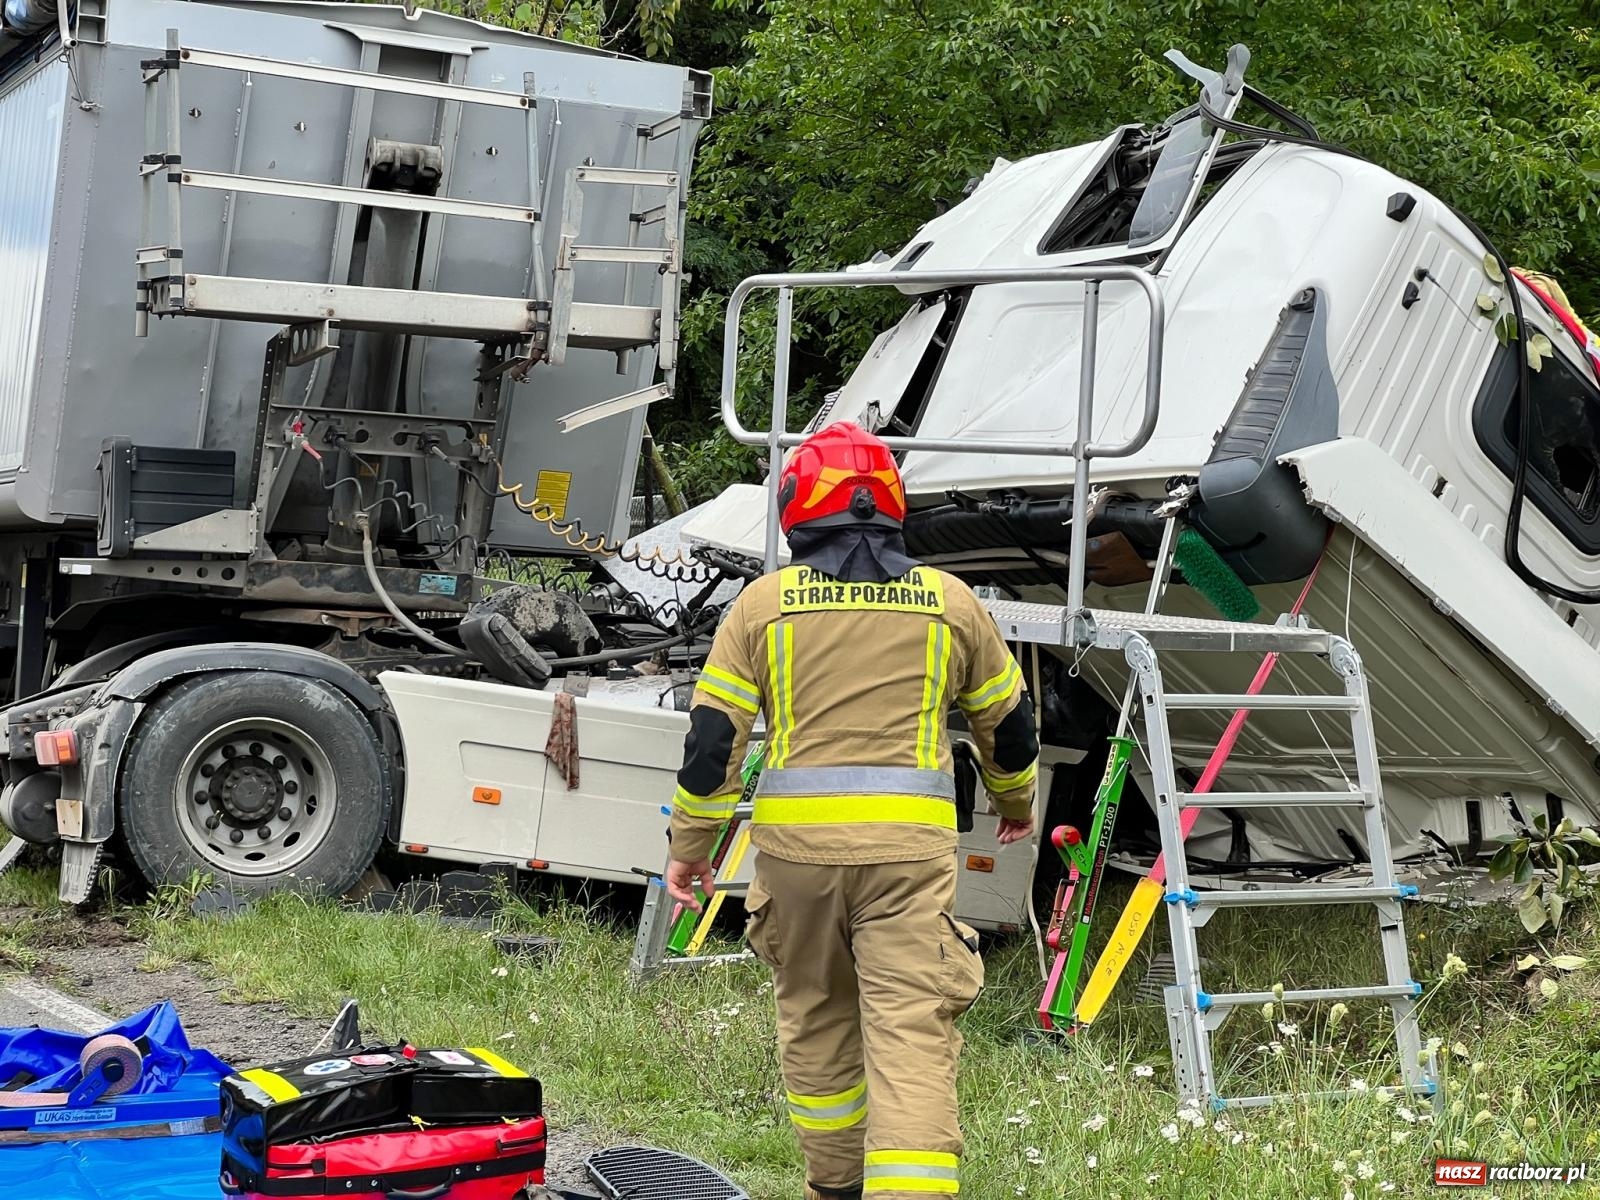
column 451, row 1057
column 550, row 492
column 372, row 1060
column 328, row 1066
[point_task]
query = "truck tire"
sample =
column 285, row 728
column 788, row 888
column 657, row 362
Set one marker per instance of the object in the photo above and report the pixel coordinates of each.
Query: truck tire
column 261, row 780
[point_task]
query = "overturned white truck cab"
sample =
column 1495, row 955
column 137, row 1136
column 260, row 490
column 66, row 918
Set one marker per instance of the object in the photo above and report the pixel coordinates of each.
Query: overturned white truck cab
column 1337, row 386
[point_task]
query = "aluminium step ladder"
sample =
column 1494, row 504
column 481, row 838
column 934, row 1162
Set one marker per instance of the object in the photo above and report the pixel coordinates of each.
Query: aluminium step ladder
column 1193, row 1013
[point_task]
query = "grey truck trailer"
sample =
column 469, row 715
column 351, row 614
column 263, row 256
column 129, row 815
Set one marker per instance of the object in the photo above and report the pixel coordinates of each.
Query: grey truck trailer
column 291, row 296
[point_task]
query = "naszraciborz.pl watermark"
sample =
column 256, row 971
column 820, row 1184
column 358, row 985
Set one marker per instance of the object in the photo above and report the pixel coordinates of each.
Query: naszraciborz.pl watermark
column 1452, row 1172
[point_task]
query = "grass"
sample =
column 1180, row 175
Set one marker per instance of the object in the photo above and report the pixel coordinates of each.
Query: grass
column 688, row 1060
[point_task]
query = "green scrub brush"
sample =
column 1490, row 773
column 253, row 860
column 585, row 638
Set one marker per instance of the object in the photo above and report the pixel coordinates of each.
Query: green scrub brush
column 1204, row 571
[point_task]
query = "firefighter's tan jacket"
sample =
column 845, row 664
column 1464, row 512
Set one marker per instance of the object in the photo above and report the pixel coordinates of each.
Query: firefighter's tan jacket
column 855, row 681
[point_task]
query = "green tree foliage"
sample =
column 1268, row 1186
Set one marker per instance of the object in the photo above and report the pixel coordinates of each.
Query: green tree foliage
column 851, row 122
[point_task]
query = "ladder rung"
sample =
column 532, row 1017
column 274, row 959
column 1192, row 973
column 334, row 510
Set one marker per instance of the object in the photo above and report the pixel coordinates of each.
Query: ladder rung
column 627, row 176
column 1414, row 1089
column 1268, row 897
column 1266, row 700
column 1309, row 995
column 650, row 255
column 1273, row 800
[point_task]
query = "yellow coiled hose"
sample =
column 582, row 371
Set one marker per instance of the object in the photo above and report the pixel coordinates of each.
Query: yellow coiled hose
column 590, row 543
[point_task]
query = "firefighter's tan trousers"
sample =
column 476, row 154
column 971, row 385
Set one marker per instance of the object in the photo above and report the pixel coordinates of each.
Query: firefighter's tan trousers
column 870, row 969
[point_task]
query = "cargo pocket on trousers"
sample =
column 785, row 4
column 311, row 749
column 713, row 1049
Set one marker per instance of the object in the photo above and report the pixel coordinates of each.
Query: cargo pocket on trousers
column 961, row 971
column 759, row 932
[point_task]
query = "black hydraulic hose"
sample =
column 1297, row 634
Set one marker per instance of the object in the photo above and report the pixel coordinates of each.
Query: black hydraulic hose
column 1519, row 476
column 629, row 653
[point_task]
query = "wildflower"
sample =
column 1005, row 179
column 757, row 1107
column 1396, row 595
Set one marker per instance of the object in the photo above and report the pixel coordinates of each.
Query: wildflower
column 1386, row 1186
column 1517, row 1097
column 1365, row 1170
column 1268, row 1009
column 1021, row 1191
column 1276, row 1048
column 1143, row 1072
column 533, row 1018
column 1192, row 1115
column 1336, row 1014
column 1092, row 1161
column 1170, row 1132
column 1483, row 1097
column 1399, row 1137
column 1095, row 1123
column 1277, row 992
column 1289, row 1029
column 1034, row 1157
column 1017, row 1118
column 1358, row 1085
column 1153, row 1177
column 1457, row 1108
column 1348, row 1195
column 1483, row 1117
column 1454, row 968
column 1109, row 1068
column 500, row 972
column 1478, row 1068
column 1063, row 1078
column 1434, row 1044
column 506, row 1037
column 1384, row 1095
column 1269, row 1150
column 1406, row 1115
column 1236, row 1138
column 1220, row 1125
column 1035, row 1102
column 1338, row 1165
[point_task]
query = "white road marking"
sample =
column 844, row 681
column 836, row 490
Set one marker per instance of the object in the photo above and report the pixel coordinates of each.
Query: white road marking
column 62, row 1008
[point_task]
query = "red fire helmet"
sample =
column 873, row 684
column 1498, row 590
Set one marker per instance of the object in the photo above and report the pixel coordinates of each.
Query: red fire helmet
column 841, row 472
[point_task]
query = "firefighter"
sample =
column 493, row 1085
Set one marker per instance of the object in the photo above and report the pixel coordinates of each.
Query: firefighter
column 855, row 653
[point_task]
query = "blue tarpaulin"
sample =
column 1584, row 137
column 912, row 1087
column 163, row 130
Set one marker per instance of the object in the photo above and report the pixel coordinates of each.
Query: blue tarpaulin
column 52, row 1056
column 178, row 1088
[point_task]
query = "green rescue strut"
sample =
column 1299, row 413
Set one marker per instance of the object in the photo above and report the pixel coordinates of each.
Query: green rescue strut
column 1081, row 857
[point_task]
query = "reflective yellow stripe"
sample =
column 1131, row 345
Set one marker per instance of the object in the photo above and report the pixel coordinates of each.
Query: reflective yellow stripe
column 912, row 1171
column 712, row 688
column 725, row 685
column 829, row 1101
column 919, row 1158
column 803, row 589
column 854, row 810
column 272, row 1084
column 490, row 1059
column 992, row 691
column 780, row 669
column 1007, row 783
column 825, row 1124
column 901, row 1183
column 936, row 669
column 841, row 1110
column 714, row 807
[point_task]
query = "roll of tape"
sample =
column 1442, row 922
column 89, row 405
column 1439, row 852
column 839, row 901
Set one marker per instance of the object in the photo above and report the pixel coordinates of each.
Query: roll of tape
column 113, row 1053
column 112, row 1048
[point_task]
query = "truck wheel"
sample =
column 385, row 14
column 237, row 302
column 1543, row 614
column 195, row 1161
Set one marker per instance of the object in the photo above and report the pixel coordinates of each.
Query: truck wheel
column 260, row 779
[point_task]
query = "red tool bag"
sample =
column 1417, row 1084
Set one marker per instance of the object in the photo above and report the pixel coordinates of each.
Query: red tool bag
column 391, row 1123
